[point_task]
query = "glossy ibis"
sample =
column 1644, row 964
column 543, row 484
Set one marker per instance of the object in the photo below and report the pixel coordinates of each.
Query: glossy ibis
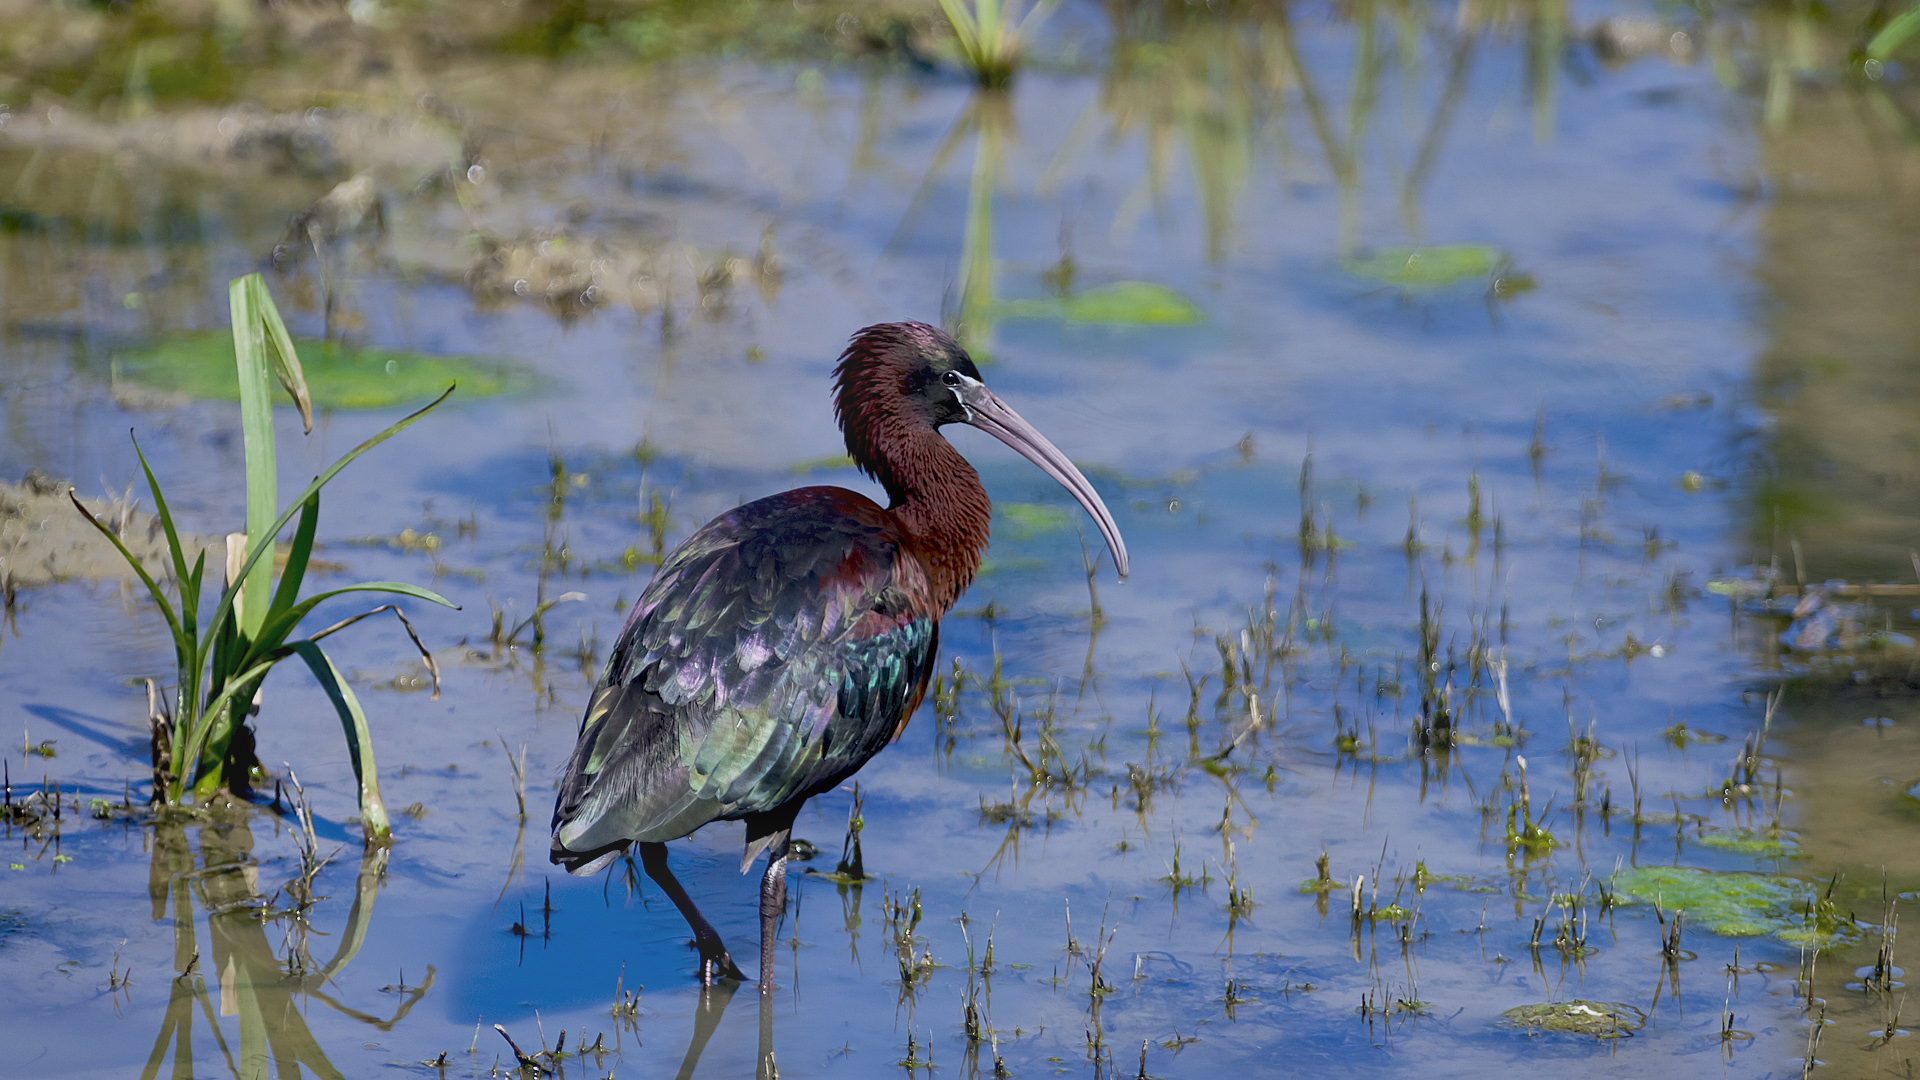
column 786, row 642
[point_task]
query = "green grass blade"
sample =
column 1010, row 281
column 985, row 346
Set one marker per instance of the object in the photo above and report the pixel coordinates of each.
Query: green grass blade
column 1895, row 33
column 286, row 362
column 190, row 595
column 189, row 751
column 183, row 645
column 227, row 657
column 297, row 557
column 282, row 624
column 256, row 551
column 166, row 522
column 374, row 823
column 398, row 588
column 964, row 28
column 250, row 349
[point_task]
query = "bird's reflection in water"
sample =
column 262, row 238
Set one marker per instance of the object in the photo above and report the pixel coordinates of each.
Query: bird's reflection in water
column 261, row 987
column 715, row 999
column 706, row 1021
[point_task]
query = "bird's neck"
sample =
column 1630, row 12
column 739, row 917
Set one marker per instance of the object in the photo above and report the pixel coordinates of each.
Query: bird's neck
column 938, row 498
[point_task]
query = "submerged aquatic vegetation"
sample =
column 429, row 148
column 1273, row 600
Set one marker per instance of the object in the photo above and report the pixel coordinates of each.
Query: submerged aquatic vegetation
column 1765, row 843
column 202, row 744
column 338, row 375
column 1603, row 1019
column 1028, row 520
column 1428, row 267
column 1736, row 904
column 1123, row 303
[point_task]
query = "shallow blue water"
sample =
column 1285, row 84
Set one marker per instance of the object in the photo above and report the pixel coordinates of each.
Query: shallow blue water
column 1632, row 358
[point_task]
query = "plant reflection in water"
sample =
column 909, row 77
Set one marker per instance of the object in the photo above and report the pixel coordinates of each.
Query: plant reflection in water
column 260, row 983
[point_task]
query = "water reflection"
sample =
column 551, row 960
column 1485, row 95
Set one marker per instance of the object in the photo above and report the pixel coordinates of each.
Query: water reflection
column 206, row 869
column 1834, row 489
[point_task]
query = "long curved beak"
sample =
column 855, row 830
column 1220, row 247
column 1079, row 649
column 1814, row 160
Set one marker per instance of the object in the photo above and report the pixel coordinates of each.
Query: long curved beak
column 988, row 413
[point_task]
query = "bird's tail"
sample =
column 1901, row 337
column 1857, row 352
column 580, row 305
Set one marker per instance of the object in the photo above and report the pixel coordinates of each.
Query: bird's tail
column 582, row 863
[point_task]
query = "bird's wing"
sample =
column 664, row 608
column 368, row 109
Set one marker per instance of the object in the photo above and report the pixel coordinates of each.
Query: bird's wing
column 775, row 651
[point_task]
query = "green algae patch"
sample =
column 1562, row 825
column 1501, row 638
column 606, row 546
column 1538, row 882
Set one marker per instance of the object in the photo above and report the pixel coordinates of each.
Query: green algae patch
column 1428, row 267
column 1601, row 1019
column 1681, row 736
column 339, row 376
column 1735, row 904
column 1423, row 878
column 1759, row 843
column 1027, row 520
column 829, row 463
column 1123, row 303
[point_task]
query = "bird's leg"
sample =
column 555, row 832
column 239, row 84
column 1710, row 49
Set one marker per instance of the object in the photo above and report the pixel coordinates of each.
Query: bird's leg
column 715, row 962
column 773, row 903
column 764, row 1067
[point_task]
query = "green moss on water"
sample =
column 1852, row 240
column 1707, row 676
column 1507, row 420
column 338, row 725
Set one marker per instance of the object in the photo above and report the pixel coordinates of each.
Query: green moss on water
column 1759, row 843
column 1681, row 736
column 1735, row 904
column 1428, row 267
column 829, row 463
column 1027, row 520
column 1123, row 303
column 1602, row 1019
column 339, row 376
column 1008, row 564
column 1423, row 877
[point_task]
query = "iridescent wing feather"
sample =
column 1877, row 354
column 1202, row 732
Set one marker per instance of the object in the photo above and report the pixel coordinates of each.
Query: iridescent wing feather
column 774, row 652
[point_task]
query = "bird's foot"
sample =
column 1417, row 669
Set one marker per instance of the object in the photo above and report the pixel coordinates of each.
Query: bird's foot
column 717, row 964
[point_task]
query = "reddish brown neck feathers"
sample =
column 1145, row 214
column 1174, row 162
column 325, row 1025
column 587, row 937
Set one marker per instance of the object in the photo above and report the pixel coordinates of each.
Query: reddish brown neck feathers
column 936, row 496
column 943, row 506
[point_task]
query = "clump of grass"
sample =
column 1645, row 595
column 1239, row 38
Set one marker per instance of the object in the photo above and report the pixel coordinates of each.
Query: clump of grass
column 202, row 745
column 1881, row 978
column 1180, row 881
column 991, row 35
column 518, row 765
column 1669, row 934
column 626, row 1003
column 1322, row 882
column 903, row 913
column 1522, row 829
column 852, row 864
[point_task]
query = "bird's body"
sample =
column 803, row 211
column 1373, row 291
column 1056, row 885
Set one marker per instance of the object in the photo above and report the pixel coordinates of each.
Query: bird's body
column 775, row 651
column 785, row 643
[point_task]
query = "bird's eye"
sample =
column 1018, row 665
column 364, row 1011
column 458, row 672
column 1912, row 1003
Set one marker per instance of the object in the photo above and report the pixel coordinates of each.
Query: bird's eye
column 951, row 378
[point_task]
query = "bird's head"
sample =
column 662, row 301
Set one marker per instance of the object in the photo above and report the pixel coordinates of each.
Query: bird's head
column 897, row 381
